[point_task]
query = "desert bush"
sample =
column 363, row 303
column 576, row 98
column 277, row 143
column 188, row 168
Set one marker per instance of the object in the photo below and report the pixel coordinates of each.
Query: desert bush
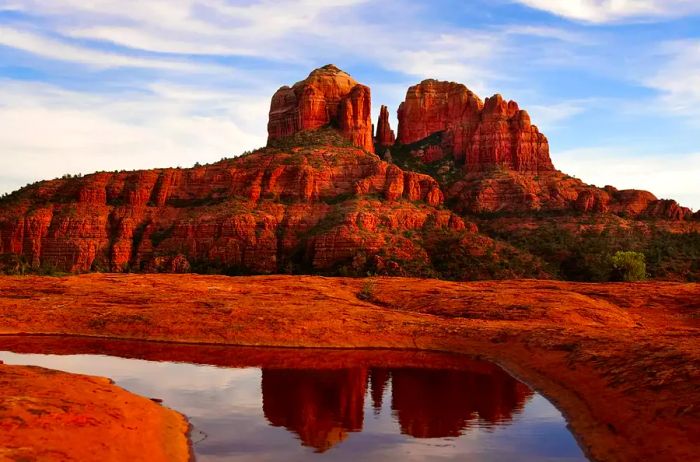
column 325, row 136
column 367, row 291
column 628, row 266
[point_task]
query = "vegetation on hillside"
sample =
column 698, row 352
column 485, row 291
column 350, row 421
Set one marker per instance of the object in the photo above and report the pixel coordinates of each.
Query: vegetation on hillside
column 445, row 171
column 628, row 266
column 586, row 255
column 326, row 136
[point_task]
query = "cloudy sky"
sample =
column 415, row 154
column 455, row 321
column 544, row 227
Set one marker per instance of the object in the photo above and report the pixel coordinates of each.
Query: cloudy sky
column 126, row 84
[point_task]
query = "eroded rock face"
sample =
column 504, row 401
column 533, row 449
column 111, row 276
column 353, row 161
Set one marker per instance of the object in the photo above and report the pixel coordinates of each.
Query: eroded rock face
column 482, row 135
column 511, row 191
column 385, row 135
column 328, row 96
column 259, row 213
column 506, row 162
column 315, row 202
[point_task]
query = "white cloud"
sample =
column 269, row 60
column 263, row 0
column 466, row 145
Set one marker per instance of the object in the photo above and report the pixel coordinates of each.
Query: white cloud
column 667, row 177
column 298, row 31
column 678, row 78
column 47, row 132
column 210, row 27
column 462, row 57
column 548, row 117
column 55, row 49
column 546, row 32
column 605, row 11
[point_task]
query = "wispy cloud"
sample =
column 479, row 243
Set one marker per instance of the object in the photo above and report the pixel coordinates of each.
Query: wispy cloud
column 209, row 27
column 549, row 116
column 547, row 32
column 47, row 131
column 605, row 11
column 678, row 78
column 46, row 47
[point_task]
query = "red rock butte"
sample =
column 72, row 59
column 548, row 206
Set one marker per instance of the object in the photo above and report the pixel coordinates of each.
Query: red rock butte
column 328, row 96
column 318, row 199
column 481, row 135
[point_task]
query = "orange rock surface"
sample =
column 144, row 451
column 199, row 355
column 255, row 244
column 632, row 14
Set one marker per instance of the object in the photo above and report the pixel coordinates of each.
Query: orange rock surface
column 505, row 161
column 256, row 213
column 481, row 135
column 47, row 415
column 512, row 191
column 327, row 96
column 621, row 361
column 385, row 135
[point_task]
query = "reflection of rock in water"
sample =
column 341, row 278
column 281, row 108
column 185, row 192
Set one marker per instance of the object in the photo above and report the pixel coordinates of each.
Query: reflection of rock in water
column 440, row 403
column 321, row 406
column 379, row 378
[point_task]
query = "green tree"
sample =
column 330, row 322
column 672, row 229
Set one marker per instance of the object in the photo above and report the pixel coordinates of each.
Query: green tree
column 628, row 266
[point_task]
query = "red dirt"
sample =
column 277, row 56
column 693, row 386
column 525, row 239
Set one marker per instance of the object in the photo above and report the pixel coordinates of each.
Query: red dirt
column 621, row 361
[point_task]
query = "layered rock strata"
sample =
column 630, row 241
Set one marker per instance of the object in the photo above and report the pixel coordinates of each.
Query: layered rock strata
column 481, row 135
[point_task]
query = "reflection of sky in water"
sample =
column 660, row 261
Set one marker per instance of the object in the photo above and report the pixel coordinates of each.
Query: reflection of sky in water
column 226, row 405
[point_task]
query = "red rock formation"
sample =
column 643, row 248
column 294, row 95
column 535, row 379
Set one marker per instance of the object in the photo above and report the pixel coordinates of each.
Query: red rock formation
column 262, row 213
column 667, row 209
column 354, row 117
column 328, row 96
column 385, row 135
column 483, row 136
column 318, row 205
column 448, row 119
column 511, row 191
column 592, row 201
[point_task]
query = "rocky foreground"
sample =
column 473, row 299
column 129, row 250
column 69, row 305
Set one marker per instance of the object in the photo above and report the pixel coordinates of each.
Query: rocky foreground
column 46, row 415
column 621, row 361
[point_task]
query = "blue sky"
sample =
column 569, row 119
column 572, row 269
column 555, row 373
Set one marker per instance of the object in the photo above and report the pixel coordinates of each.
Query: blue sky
column 117, row 84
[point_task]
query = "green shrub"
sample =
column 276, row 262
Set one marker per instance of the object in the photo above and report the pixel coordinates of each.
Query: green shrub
column 367, row 291
column 628, row 266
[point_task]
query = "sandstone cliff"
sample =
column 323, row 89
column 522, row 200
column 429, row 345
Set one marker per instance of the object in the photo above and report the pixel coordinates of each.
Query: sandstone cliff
column 328, row 96
column 489, row 157
column 317, row 207
column 479, row 135
column 511, row 191
column 317, row 199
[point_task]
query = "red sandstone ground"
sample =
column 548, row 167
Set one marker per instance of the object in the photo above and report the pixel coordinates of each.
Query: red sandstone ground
column 47, row 415
column 622, row 361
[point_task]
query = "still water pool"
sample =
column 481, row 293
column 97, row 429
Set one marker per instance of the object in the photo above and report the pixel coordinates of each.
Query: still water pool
column 298, row 405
